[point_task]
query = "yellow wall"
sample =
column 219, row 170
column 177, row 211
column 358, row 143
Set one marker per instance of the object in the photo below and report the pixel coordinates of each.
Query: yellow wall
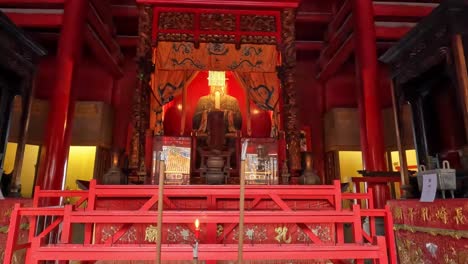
column 80, row 165
column 350, row 163
column 28, row 170
column 410, row 158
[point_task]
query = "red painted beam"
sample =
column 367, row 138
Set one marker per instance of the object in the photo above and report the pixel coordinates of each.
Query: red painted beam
column 103, row 31
column 309, row 45
column 337, row 39
column 394, row 9
column 340, row 17
column 102, row 53
column 268, row 4
column 313, row 17
column 215, row 251
column 124, row 11
column 127, row 41
column 29, row 2
column 391, row 31
column 102, row 9
column 340, row 57
column 36, row 20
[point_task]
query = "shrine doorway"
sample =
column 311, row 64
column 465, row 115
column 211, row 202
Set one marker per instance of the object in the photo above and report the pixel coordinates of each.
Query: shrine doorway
column 178, row 43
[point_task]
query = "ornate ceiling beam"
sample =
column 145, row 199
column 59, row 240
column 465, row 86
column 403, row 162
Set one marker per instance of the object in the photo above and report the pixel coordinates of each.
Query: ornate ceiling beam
column 268, row 4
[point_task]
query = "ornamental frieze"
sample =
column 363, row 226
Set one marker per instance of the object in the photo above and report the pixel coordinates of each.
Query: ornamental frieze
column 218, row 21
column 176, row 20
column 267, row 40
column 176, row 37
column 217, row 38
column 258, row 23
column 217, row 26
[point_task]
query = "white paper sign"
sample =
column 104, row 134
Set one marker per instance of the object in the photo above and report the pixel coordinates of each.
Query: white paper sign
column 429, row 188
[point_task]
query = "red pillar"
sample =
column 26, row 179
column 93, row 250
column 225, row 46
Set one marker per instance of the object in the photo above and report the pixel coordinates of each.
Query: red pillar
column 54, row 154
column 366, row 68
column 372, row 137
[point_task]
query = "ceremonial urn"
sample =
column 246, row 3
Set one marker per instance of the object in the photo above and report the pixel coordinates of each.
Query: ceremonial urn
column 214, row 171
column 308, row 176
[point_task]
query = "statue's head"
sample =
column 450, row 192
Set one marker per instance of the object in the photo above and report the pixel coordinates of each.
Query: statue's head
column 220, row 89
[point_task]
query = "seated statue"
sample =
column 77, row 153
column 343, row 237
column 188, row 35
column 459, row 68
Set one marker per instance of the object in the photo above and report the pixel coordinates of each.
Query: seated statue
column 217, row 100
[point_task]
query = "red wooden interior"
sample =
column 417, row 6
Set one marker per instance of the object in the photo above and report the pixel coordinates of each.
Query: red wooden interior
column 290, row 205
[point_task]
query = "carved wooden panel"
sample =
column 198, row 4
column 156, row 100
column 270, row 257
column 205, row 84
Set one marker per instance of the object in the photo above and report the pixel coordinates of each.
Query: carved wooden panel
column 218, row 38
column 269, row 40
column 258, row 23
column 218, row 26
column 176, row 20
column 218, row 21
column 176, row 37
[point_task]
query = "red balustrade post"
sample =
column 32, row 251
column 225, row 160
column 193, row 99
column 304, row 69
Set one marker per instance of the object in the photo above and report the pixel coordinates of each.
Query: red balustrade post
column 372, row 138
column 54, row 154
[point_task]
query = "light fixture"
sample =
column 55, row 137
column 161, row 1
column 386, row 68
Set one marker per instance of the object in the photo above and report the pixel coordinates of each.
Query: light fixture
column 216, row 78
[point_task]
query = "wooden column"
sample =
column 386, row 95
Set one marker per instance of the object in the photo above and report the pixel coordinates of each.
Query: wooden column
column 399, row 138
column 287, row 75
column 141, row 100
column 419, row 130
column 54, row 154
column 366, row 67
column 462, row 76
column 26, row 105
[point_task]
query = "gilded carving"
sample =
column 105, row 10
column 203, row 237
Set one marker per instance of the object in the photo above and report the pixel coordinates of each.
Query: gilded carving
column 457, row 234
column 151, row 233
column 411, row 213
column 258, row 23
column 442, row 215
column 217, row 38
column 459, row 217
column 176, row 37
column 176, row 20
column 425, row 214
column 287, row 74
column 218, row 21
column 250, row 39
column 282, row 235
column 141, row 102
column 398, row 213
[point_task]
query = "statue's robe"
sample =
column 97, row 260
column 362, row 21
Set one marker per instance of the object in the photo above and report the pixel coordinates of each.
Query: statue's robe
column 228, row 104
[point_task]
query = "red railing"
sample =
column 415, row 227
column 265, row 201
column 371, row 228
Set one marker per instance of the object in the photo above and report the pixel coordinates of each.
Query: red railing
column 285, row 211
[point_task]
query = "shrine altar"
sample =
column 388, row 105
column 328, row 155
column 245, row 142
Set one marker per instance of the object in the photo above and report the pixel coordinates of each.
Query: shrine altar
column 431, row 233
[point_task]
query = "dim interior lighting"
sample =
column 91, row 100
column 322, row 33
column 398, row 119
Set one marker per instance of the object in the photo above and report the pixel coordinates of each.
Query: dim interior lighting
column 197, row 224
column 255, row 111
column 179, row 106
